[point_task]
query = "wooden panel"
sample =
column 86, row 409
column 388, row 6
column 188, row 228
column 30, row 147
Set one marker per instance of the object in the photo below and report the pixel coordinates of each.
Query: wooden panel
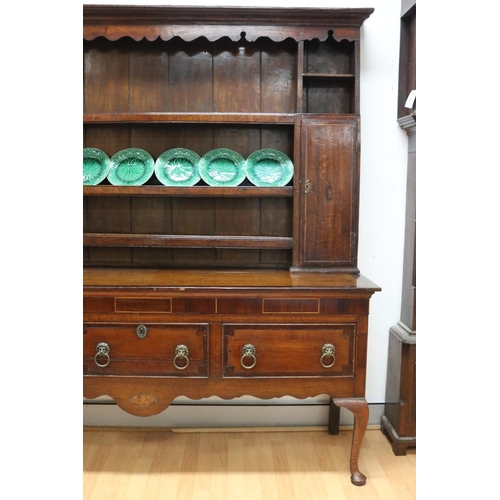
column 236, row 67
column 105, row 76
column 329, row 96
column 85, row 229
column 199, row 257
column 289, row 350
column 152, row 355
column 329, row 56
column 276, row 219
column 151, row 215
column 344, row 306
column 98, row 304
column 109, row 215
column 235, row 216
column 239, row 306
column 278, row 76
column 290, row 306
column 193, row 216
column 330, row 205
column 143, row 305
column 190, row 76
column 85, row 226
column 199, row 138
column 108, row 138
column 148, row 74
column 242, row 139
column 154, row 138
column 196, row 306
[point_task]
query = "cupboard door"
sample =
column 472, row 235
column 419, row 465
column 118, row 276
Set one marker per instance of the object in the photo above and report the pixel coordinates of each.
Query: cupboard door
column 329, row 195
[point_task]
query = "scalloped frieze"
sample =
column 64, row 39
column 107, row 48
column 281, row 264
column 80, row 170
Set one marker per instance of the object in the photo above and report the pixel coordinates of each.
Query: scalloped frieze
column 189, row 23
column 235, row 33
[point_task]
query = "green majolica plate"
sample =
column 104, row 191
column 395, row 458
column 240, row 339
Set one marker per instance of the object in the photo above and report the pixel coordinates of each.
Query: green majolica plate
column 269, row 167
column 178, row 167
column 222, row 167
column 131, row 167
column 96, row 165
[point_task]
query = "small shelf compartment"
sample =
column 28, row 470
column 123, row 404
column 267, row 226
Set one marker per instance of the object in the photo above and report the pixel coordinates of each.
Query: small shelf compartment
column 329, row 94
column 329, row 76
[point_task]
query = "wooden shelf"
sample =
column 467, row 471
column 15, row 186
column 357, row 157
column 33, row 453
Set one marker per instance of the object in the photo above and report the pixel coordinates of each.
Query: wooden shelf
column 328, row 76
column 194, row 191
column 243, row 118
column 186, row 241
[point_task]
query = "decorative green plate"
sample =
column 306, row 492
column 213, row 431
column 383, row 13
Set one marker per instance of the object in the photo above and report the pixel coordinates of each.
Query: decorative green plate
column 96, row 165
column 131, row 167
column 269, row 167
column 178, row 167
column 222, row 167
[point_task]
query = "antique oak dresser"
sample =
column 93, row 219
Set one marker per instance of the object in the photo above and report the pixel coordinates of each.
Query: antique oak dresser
column 229, row 291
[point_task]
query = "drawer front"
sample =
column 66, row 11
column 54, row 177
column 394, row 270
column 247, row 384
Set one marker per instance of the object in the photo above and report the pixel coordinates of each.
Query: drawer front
column 284, row 350
column 148, row 349
column 149, row 305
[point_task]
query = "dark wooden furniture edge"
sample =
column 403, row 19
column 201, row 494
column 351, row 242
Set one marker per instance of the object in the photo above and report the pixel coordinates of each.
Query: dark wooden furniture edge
column 400, row 444
column 138, row 22
column 235, row 280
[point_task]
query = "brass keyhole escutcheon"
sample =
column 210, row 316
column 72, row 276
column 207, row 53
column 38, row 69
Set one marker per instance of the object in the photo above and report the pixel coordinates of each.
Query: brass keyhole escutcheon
column 307, row 186
column 142, row 331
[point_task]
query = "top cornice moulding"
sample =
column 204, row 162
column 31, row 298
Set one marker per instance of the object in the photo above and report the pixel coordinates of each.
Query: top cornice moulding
column 151, row 22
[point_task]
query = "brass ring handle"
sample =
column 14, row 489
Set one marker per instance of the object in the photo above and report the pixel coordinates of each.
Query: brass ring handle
column 327, row 351
column 102, row 350
column 248, row 352
column 181, row 352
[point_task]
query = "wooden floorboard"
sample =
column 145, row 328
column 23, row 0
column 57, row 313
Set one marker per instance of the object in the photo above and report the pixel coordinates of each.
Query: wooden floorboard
column 234, row 464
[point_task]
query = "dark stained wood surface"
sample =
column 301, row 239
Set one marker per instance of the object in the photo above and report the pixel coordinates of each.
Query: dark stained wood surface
column 224, row 279
column 185, row 191
column 330, row 192
column 279, row 24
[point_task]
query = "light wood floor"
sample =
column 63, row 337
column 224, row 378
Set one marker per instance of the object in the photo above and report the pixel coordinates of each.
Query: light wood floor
column 272, row 465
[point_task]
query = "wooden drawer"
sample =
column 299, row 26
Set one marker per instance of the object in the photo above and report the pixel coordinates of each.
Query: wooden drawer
column 149, row 349
column 283, row 350
column 148, row 305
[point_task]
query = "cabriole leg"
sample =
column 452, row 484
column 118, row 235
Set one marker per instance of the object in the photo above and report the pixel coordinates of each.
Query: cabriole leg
column 359, row 408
